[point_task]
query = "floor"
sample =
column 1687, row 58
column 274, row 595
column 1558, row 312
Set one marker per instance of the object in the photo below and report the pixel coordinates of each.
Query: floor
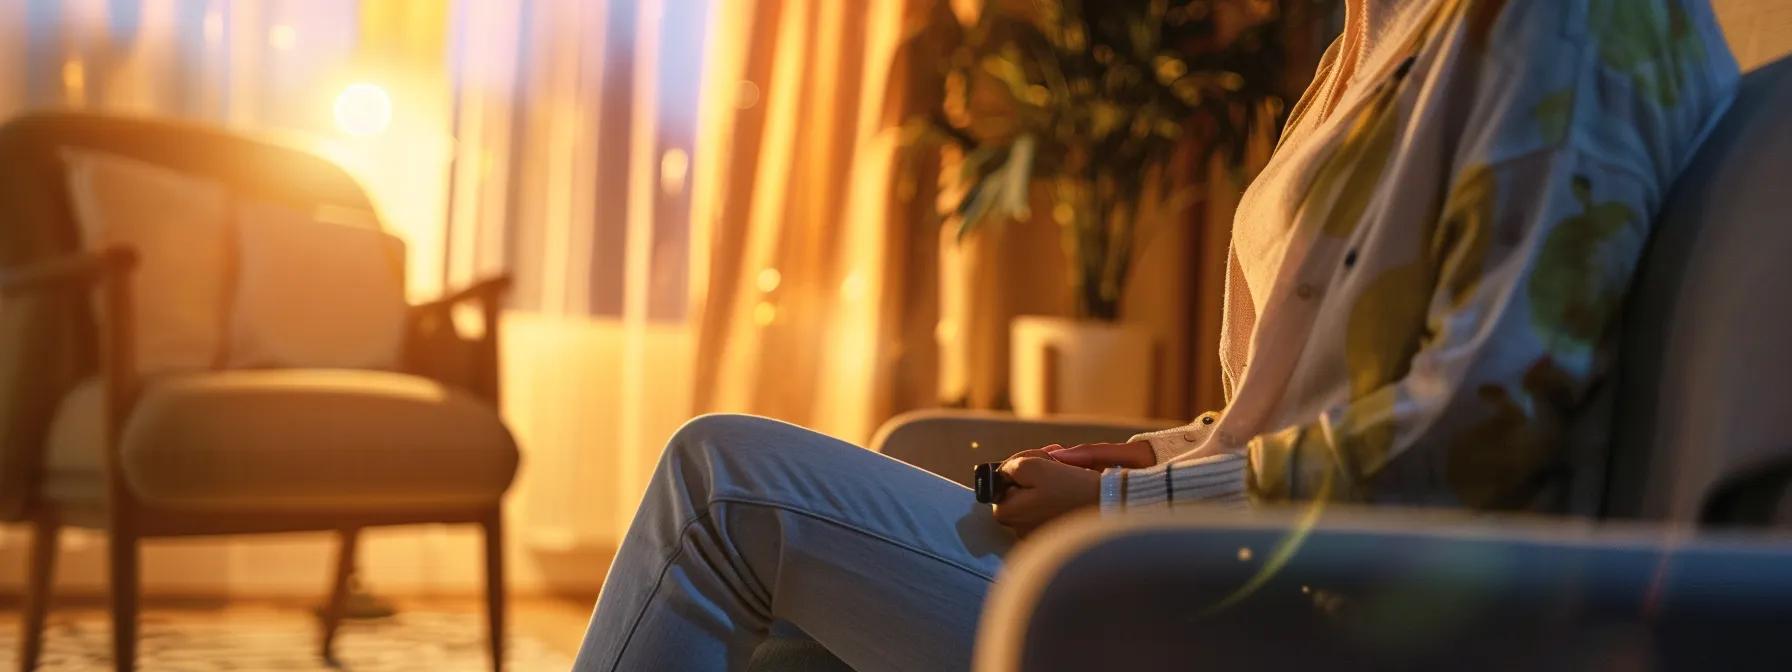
column 558, row 624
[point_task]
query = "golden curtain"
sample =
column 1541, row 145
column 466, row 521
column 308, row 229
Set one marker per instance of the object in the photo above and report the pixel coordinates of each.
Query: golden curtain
column 819, row 257
column 834, row 298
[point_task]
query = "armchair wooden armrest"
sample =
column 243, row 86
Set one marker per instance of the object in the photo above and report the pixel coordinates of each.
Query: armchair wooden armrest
column 487, row 290
column 110, row 269
column 70, row 270
column 436, row 350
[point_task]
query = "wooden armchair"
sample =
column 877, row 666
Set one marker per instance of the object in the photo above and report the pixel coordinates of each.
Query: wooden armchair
column 86, row 441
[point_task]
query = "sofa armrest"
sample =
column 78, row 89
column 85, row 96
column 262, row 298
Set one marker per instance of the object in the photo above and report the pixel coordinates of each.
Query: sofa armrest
column 1381, row 589
column 950, row 442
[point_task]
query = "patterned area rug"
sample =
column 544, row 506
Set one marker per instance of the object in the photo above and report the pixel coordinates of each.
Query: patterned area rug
column 278, row 642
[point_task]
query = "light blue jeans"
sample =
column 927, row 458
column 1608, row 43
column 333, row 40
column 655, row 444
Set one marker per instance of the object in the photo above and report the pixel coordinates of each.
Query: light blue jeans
column 750, row 522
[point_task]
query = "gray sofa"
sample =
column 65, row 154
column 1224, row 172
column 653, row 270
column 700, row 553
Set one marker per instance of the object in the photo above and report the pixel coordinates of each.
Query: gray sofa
column 1692, row 567
column 1702, row 403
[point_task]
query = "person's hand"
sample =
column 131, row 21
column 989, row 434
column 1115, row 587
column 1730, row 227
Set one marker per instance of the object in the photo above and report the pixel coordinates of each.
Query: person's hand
column 1098, row 456
column 1045, row 452
column 1044, row 489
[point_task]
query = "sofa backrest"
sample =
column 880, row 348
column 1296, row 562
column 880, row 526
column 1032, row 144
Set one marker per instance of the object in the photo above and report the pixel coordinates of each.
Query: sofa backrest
column 1704, row 384
column 46, row 342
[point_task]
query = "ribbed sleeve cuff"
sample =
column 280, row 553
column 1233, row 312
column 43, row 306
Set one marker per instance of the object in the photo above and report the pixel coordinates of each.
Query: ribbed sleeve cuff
column 1112, row 481
column 1214, row 479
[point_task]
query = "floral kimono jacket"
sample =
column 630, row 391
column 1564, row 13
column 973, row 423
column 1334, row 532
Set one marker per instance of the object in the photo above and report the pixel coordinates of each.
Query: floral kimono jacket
column 1425, row 279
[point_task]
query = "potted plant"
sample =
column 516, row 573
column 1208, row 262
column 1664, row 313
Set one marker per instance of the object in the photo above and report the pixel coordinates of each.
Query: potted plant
column 1088, row 102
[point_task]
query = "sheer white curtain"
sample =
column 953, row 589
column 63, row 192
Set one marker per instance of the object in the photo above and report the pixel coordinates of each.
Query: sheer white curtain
column 593, row 149
column 270, row 67
column 575, row 127
column 553, row 139
column 274, row 68
column 702, row 203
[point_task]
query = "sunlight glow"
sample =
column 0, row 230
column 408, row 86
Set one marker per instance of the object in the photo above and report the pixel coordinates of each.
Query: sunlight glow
column 363, row 110
column 214, row 27
column 283, row 37
column 765, row 313
column 768, row 280
column 674, row 165
column 74, row 82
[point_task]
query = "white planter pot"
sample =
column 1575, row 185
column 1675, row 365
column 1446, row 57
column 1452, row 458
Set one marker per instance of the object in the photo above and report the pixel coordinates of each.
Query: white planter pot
column 1061, row 366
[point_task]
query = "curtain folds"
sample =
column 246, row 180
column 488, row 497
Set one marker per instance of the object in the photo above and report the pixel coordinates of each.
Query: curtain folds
column 816, row 305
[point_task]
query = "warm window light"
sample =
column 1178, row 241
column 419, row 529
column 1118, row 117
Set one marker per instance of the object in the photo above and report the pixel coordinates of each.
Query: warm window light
column 74, row 80
column 768, row 279
column 283, row 37
column 946, row 331
column 363, row 110
column 674, row 164
column 214, row 27
column 853, row 287
column 746, row 95
column 765, row 313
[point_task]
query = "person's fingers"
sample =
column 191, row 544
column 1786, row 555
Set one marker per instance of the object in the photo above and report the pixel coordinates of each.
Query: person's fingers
column 1103, row 455
column 1031, row 452
column 1026, row 471
column 1044, row 490
column 1016, row 507
column 1079, row 455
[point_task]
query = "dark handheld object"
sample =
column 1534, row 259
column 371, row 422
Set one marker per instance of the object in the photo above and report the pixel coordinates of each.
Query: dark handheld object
column 990, row 483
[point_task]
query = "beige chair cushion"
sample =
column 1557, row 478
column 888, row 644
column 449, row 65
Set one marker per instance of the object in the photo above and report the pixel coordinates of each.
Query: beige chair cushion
column 315, row 294
column 332, row 440
column 176, row 223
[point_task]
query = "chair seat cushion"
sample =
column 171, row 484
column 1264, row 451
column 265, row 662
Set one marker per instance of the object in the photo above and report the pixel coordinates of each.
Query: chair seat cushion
column 300, row 439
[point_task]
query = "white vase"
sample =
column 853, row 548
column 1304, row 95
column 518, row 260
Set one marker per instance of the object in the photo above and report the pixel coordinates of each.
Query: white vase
column 1063, row 366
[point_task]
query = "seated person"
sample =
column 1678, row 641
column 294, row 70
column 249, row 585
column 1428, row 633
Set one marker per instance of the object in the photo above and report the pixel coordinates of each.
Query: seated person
column 1423, row 281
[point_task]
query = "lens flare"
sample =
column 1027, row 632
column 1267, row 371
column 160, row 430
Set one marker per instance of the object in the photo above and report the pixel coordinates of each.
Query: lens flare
column 363, row 110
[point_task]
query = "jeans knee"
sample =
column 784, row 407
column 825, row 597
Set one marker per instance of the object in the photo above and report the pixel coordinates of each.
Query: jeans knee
column 708, row 432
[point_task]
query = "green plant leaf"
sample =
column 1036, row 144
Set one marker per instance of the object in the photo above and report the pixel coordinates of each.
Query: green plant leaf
column 1006, row 70
column 1018, row 177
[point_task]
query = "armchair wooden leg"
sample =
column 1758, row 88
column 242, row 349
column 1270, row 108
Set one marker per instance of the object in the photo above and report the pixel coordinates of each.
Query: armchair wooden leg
column 45, row 531
column 339, row 587
column 122, row 547
column 494, row 585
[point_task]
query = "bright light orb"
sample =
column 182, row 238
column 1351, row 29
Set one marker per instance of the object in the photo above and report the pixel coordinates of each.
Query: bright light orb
column 363, row 110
